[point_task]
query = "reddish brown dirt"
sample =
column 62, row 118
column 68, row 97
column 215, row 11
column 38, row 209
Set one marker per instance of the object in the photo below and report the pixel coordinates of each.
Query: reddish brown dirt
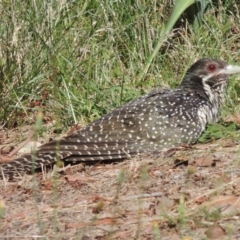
column 192, row 193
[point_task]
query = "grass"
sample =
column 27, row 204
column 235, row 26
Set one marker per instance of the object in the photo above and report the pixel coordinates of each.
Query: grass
column 79, row 60
column 73, row 61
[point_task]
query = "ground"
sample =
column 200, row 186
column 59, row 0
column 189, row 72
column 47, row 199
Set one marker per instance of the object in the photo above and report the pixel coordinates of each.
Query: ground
column 187, row 193
column 74, row 61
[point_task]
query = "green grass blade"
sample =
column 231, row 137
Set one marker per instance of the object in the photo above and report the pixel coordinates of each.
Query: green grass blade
column 179, row 8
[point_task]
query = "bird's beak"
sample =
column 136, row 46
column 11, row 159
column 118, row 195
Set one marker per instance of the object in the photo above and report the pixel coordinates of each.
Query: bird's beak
column 231, row 69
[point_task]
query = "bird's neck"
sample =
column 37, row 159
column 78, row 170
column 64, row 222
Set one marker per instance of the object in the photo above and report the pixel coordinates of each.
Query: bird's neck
column 212, row 95
column 215, row 93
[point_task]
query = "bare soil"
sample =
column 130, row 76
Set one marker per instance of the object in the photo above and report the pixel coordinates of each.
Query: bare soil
column 189, row 193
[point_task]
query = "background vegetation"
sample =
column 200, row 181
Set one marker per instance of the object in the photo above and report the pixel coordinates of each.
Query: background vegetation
column 77, row 60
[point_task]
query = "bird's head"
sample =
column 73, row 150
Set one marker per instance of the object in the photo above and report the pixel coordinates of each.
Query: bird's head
column 209, row 77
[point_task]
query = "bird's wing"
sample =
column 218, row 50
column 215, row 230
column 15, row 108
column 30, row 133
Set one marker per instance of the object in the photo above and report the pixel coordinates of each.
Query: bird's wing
column 141, row 125
column 116, row 135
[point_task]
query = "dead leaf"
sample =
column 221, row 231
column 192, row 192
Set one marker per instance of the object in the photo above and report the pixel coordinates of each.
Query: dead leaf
column 181, row 160
column 6, row 149
column 201, row 200
column 229, row 143
column 174, row 237
column 4, row 159
column 77, row 182
column 235, row 119
column 215, row 232
column 203, row 162
column 103, row 221
column 74, row 178
column 227, row 204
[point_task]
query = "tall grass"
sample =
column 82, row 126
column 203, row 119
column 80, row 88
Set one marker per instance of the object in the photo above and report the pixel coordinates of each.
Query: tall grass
column 77, row 60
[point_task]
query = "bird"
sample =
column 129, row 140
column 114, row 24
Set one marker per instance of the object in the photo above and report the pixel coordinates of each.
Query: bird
column 160, row 120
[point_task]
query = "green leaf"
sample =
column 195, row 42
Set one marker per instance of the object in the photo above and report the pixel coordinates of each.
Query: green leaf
column 179, row 8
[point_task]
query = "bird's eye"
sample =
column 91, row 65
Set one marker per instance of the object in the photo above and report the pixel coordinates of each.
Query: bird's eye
column 211, row 67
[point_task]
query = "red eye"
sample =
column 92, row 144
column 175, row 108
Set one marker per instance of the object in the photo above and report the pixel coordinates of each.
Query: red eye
column 211, row 67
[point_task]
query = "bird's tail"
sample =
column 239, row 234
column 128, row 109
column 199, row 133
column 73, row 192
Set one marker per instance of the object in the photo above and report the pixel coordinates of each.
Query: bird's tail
column 25, row 164
column 65, row 151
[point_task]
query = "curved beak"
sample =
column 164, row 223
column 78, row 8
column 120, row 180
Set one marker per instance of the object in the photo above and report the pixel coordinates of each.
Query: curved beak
column 231, row 69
